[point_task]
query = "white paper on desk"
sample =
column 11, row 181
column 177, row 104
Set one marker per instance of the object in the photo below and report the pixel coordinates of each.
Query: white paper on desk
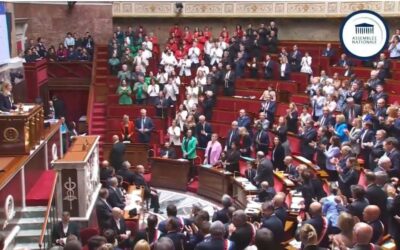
column 296, row 201
column 129, row 207
column 206, row 166
column 241, row 179
column 26, row 108
column 296, row 244
column 303, row 159
column 181, row 159
column 254, row 205
column 133, row 198
column 250, row 187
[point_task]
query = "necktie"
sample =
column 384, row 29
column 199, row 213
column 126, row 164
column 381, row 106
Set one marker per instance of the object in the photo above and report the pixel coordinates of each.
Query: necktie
column 142, row 123
column 230, row 138
column 267, row 106
column 322, row 121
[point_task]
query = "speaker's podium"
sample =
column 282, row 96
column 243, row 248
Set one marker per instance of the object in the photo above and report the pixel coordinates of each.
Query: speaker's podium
column 79, row 183
column 21, row 129
column 169, row 173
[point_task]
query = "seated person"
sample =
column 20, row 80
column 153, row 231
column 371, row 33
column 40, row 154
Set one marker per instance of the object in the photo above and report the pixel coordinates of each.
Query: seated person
column 266, row 193
column 116, row 197
column 149, row 193
column 167, row 151
column 63, row 229
column 6, row 99
column 126, row 174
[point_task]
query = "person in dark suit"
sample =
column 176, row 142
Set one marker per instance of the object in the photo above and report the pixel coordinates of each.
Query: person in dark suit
column 231, row 159
column 172, row 212
column 348, row 176
column 223, row 214
column 343, row 61
column 244, row 120
column 216, row 239
column 284, row 69
column 367, row 138
column 271, row 221
column 117, row 153
column 144, row 126
column 126, row 174
column 149, row 193
column 371, row 216
column 229, row 81
column 264, row 169
column 272, row 42
column 362, row 235
column 240, row 63
column 326, row 119
column 241, row 232
column 232, row 135
column 394, row 222
column 59, row 107
column 207, row 104
column 281, row 209
column 376, row 195
column 390, row 146
column 328, row 51
column 161, row 105
column 306, row 136
column 278, row 155
column 106, row 172
column 116, row 197
column 174, row 233
column 261, row 139
column 266, row 193
column 295, row 59
column 118, row 225
column 351, row 111
column 290, row 169
column 6, row 100
column 103, row 209
column 319, row 222
column 203, row 132
column 269, row 108
column 356, row 208
column 251, row 171
column 269, row 67
column 64, row 228
column 167, row 151
column 150, row 233
column 356, row 93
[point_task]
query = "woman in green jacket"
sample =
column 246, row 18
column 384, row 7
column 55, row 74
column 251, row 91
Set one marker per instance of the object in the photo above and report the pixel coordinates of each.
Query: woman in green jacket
column 189, row 144
column 124, row 91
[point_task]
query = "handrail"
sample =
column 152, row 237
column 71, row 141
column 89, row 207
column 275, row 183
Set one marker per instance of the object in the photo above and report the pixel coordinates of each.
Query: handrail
column 91, row 92
column 46, row 218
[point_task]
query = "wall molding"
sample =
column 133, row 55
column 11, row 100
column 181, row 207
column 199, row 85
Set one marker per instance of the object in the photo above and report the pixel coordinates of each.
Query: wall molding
column 251, row 9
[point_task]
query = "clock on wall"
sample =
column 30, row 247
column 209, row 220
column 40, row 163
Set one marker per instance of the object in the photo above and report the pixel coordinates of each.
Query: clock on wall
column 10, row 134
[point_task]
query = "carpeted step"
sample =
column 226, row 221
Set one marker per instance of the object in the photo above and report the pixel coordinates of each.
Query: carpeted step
column 193, row 187
column 39, row 194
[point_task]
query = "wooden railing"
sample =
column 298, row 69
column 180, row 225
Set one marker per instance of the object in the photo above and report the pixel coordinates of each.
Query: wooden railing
column 91, row 96
column 75, row 69
column 48, row 210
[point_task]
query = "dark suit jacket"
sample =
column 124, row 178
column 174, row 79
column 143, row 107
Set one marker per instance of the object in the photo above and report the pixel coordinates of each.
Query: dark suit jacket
column 117, row 155
column 233, row 157
column 270, row 111
column 329, row 120
column 203, row 139
column 5, row 103
column 376, row 196
column 305, row 138
column 282, row 214
column 357, row 96
column 378, row 230
column 328, row 53
column 341, row 62
column 295, row 60
column 115, row 199
column 211, row 244
column 59, row 108
column 171, row 153
column 126, row 175
column 274, row 224
column 261, row 141
column 269, row 69
column 278, row 154
column 356, row 208
column 395, row 159
column 346, row 180
column 244, row 121
column 113, row 225
column 265, row 172
column 58, row 232
column 242, row 236
column 221, row 215
column 177, row 238
column 366, row 247
column 232, row 136
column 103, row 213
column 148, row 124
column 318, row 223
column 357, row 111
column 231, row 80
column 245, row 143
column 208, row 105
column 266, row 195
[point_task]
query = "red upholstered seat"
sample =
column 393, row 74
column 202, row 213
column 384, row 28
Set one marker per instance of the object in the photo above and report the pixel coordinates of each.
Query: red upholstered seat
column 147, row 177
column 86, row 233
column 193, row 187
column 132, row 225
column 362, row 180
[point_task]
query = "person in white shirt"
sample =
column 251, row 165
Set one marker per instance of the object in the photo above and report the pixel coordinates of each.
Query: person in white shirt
column 185, row 64
column 147, row 45
column 152, row 90
column 193, row 90
column 200, row 79
column 216, row 54
column 181, row 116
column 174, row 133
column 169, row 62
column 162, row 78
column 222, row 44
column 194, row 54
column 141, row 61
column 203, row 67
column 306, row 64
column 170, row 92
column 175, row 79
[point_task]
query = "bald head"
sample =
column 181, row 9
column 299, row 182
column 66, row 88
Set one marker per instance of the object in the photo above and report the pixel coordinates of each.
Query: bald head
column 315, row 209
column 362, row 233
column 279, row 199
column 115, row 138
column 140, row 169
column 217, row 230
column 116, row 212
column 371, row 213
column 105, row 164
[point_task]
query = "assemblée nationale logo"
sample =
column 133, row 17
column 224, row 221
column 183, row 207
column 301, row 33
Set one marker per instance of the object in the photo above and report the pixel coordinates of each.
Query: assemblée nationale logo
column 364, row 34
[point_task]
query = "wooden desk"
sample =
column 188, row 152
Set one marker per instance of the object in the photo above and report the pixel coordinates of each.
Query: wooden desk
column 319, row 172
column 280, row 180
column 135, row 153
column 137, row 193
column 240, row 193
column 214, row 182
column 168, row 173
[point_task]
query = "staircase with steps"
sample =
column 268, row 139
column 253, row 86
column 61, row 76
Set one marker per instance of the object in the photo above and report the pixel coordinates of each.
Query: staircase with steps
column 30, row 222
column 99, row 123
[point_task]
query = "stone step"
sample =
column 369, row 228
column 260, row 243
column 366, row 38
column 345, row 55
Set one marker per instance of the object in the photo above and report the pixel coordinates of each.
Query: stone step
column 27, row 223
column 30, row 212
column 24, row 246
column 28, row 236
